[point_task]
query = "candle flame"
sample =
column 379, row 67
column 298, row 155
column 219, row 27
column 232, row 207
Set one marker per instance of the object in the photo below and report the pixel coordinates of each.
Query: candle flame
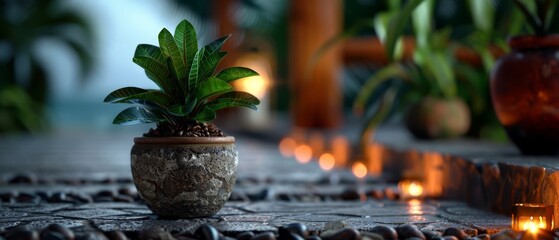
column 326, row 161
column 532, row 226
column 415, row 189
column 359, row 169
column 303, row 153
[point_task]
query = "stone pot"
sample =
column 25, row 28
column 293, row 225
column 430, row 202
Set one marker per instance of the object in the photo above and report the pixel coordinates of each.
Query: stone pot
column 184, row 177
column 432, row 118
column 525, row 93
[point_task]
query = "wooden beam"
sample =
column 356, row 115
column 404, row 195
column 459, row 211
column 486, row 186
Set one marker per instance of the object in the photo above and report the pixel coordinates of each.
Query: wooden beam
column 316, row 100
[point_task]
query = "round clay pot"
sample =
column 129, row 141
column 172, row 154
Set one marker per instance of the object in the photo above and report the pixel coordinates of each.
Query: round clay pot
column 184, row 177
column 525, row 93
column 433, row 118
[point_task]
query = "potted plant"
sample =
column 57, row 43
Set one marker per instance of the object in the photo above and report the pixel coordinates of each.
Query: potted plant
column 185, row 167
column 426, row 86
column 525, row 82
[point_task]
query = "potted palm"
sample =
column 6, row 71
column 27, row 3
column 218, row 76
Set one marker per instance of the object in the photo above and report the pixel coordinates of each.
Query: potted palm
column 186, row 166
column 525, row 83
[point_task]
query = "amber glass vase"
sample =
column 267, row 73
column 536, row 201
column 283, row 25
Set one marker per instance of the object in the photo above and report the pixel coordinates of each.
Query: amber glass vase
column 525, row 93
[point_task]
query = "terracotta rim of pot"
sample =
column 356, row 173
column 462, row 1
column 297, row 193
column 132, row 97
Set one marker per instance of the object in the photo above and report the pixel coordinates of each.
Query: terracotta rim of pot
column 534, row 41
column 184, row 140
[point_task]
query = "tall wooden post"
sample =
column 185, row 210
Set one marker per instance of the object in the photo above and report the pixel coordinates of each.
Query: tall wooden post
column 316, row 89
column 226, row 25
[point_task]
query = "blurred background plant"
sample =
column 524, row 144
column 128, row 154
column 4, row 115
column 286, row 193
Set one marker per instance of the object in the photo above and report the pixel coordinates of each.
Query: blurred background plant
column 476, row 38
column 25, row 82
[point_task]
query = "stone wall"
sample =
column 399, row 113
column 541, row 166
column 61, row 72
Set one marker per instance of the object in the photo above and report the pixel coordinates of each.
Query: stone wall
column 485, row 175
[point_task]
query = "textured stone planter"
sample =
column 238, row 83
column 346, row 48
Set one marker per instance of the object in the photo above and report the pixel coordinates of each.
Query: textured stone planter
column 184, row 177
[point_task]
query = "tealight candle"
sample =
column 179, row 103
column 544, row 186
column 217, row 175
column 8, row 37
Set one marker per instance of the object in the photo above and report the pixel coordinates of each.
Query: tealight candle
column 411, row 189
column 532, row 217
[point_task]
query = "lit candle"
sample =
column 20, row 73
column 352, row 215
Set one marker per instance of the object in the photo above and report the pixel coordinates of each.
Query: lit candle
column 410, row 189
column 532, row 217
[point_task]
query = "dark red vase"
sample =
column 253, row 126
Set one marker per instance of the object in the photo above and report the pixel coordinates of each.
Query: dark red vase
column 525, row 93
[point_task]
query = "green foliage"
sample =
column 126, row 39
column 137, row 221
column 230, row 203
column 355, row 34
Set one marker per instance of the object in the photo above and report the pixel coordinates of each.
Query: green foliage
column 190, row 91
column 431, row 72
column 23, row 25
column 538, row 14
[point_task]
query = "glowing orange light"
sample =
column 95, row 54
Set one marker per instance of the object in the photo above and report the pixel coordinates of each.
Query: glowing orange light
column 340, row 149
column 257, row 85
column 326, row 161
column 415, row 189
column 415, row 207
column 410, row 189
column 530, row 217
column 303, row 153
column 359, row 169
column 287, row 146
column 532, row 226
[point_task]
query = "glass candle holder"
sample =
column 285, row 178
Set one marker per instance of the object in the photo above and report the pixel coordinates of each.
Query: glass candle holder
column 532, row 217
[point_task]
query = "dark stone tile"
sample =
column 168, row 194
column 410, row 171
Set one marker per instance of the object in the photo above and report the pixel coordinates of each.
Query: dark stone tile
column 41, row 224
column 111, row 205
column 414, row 219
column 45, row 208
column 238, row 227
column 92, row 213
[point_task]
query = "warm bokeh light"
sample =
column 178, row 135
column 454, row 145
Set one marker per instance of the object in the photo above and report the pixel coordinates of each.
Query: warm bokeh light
column 415, row 189
column 410, row 189
column 359, row 169
column 256, row 85
column 340, row 150
column 374, row 159
column 287, row 146
column 532, row 226
column 531, row 217
column 326, row 161
column 303, row 153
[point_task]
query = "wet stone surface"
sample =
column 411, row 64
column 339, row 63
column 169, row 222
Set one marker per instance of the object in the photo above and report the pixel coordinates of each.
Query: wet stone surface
column 274, row 198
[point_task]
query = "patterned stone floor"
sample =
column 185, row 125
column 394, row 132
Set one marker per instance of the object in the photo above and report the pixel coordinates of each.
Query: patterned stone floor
column 102, row 161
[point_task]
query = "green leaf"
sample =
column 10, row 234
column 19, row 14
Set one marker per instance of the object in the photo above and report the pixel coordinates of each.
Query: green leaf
column 154, row 96
column 206, row 115
column 216, row 45
column 122, row 93
column 483, row 14
column 397, row 26
column 211, row 87
column 423, row 22
column 185, row 37
column 234, row 99
column 194, row 70
column 183, row 110
column 211, row 58
column 209, row 64
column 234, row 73
column 394, row 70
column 170, row 49
column 136, row 115
column 440, row 66
column 151, row 59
